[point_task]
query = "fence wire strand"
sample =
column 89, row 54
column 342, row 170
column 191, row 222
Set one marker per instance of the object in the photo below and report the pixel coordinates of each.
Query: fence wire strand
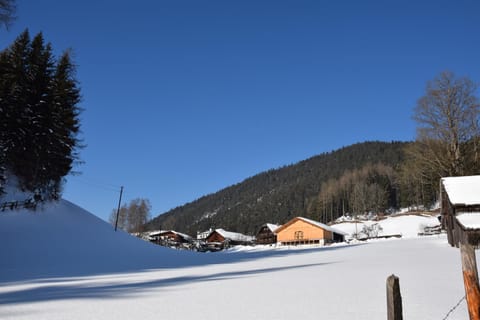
column 453, row 309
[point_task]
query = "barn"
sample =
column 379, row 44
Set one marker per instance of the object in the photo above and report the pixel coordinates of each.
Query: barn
column 460, row 201
column 301, row 230
column 266, row 234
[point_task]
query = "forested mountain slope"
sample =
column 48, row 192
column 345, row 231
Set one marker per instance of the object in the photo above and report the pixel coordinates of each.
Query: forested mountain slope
column 279, row 194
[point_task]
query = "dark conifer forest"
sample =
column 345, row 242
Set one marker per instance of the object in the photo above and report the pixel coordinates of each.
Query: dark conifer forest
column 364, row 177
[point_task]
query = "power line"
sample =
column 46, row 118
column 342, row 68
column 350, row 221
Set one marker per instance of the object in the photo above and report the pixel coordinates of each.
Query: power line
column 97, row 184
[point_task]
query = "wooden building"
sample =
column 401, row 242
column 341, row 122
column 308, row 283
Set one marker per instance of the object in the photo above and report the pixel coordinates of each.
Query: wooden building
column 301, row 230
column 222, row 238
column 170, row 238
column 203, row 234
column 460, row 202
column 266, row 234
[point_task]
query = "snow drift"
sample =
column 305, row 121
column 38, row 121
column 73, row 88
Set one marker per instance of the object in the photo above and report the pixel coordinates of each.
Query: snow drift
column 61, row 239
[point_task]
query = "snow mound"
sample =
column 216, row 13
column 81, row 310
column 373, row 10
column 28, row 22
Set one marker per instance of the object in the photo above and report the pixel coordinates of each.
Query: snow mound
column 61, row 239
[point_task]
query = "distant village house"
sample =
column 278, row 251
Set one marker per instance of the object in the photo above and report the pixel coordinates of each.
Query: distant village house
column 266, row 234
column 204, row 234
column 224, row 239
column 301, row 230
column 170, row 238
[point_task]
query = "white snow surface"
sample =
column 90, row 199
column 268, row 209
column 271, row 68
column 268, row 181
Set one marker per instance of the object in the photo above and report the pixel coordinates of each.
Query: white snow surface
column 408, row 226
column 65, row 263
column 469, row 220
column 463, row 190
column 234, row 235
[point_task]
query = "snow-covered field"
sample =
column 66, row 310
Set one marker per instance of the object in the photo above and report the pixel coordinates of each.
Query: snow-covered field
column 406, row 226
column 64, row 263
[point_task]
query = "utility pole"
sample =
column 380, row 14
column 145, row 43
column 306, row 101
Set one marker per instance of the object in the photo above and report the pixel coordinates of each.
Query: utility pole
column 118, row 209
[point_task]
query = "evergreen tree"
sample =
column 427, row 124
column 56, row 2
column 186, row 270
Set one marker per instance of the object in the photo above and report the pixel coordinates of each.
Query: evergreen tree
column 13, row 88
column 31, row 160
column 66, row 97
column 39, row 111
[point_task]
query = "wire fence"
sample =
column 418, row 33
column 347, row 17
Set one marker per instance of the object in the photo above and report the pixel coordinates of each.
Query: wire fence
column 453, row 308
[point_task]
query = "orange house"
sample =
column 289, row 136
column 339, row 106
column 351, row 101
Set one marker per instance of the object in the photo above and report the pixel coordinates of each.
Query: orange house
column 301, row 230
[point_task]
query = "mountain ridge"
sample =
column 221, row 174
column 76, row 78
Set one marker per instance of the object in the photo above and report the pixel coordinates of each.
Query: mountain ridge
column 276, row 195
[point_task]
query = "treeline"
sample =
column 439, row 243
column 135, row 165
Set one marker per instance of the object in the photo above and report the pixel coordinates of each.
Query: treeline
column 448, row 137
column 373, row 188
column 39, row 115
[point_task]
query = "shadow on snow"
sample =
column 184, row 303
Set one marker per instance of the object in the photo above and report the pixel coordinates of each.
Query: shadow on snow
column 61, row 291
column 85, row 266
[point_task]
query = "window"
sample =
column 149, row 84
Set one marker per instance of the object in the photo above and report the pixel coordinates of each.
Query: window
column 298, row 235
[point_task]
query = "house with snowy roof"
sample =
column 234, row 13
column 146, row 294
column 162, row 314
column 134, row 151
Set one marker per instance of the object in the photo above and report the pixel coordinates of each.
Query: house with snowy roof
column 169, row 238
column 301, row 230
column 266, row 234
column 223, row 238
column 460, row 209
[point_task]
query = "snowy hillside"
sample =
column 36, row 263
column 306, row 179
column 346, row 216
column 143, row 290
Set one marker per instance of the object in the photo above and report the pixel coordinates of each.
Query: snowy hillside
column 64, row 263
column 61, row 239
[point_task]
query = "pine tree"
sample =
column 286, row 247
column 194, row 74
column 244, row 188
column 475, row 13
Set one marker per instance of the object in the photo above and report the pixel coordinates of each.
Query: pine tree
column 39, row 110
column 13, row 87
column 66, row 97
column 32, row 157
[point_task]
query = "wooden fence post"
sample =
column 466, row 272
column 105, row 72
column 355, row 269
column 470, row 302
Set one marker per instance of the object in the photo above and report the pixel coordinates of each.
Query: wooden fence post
column 394, row 299
column 470, row 280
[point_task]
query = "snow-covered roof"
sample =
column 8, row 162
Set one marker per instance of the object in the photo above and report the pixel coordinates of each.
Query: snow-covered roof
column 470, row 220
column 157, row 233
column 234, row 235
column 272, row 226
column 463, row 190
column 323, row 226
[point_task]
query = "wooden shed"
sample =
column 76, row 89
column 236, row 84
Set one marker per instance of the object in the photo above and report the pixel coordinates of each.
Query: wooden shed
column 266, row 234
column 460, row 202
column 301, row 230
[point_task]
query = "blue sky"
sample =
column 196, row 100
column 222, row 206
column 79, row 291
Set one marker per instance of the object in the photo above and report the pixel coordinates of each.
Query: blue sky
column 183, row 98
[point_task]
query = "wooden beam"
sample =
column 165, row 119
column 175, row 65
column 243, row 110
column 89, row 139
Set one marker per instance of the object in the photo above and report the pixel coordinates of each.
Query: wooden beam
column 394, row 299
column 470, row 279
